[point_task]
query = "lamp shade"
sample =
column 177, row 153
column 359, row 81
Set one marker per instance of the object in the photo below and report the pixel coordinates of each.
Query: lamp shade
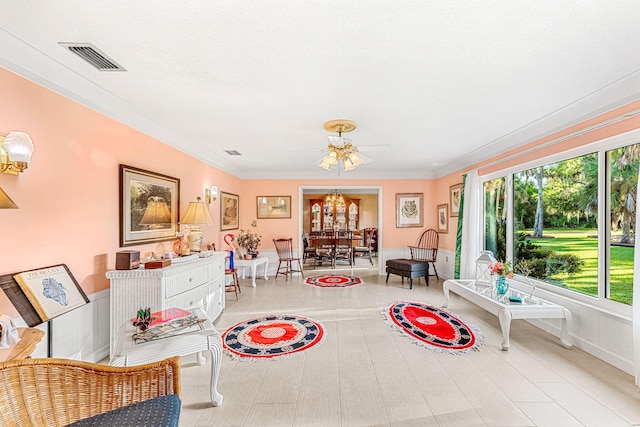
column 6, row 202
column 157, row 212
column 18, row 146
column 197, row 214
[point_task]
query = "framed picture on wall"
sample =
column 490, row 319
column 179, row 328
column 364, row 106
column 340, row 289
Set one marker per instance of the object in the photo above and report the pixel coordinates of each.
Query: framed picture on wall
column 269, row 207
column 409, row 210
column 455, row 196
column 443, row 218
column 149, row 206
column 229, row 211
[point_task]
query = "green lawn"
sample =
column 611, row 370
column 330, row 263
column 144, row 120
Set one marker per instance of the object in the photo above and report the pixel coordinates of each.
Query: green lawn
column 585, row 244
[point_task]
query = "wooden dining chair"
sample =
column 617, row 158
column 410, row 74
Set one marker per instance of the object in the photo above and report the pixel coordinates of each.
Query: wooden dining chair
column 343, row 250
column 365, row 250
column 286, row 260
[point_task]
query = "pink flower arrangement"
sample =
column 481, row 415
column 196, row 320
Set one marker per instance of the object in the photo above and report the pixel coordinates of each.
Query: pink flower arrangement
column 502, row 269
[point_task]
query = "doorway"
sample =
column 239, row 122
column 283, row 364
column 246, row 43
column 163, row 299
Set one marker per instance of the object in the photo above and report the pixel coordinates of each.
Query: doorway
column 372, row 200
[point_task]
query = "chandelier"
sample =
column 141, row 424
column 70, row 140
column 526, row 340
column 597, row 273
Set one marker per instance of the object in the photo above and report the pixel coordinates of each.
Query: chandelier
column 335, row 198
column 341, row 151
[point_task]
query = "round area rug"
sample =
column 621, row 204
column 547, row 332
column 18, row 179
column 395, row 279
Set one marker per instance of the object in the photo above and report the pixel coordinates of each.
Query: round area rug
column 270, row 337
column 333, row 281
column 433, row 327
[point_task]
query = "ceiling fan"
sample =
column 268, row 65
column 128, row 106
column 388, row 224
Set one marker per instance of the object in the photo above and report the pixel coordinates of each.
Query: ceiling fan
column 341, row 150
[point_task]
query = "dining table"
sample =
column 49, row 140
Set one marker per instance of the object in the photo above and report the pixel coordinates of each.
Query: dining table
column 325, row 244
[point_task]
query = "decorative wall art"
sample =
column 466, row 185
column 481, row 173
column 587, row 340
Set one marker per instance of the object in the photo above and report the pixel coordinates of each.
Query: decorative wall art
column 52, row 291
column 409, row 211
column 455, row 195
column 149, row 206
column 269, row 207
column 443, row 218
column 229, row 211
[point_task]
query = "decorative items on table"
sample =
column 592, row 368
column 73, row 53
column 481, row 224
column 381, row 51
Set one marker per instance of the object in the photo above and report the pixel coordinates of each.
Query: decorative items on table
column 8, row 332
column 504, row 272
column 180, row 246
column 250, row 242
column 127, row 260
column 483, row 267
column 143, row 319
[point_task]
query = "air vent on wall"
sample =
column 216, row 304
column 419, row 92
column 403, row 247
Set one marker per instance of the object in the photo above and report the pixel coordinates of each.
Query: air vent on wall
column 93, row 56
column 233, row 152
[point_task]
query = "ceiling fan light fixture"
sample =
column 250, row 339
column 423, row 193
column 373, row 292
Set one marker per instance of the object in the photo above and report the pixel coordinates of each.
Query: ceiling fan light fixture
column 341, row 150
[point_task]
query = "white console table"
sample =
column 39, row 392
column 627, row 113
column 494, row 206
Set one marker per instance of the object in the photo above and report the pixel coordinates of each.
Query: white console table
column 485, row 296
column 253, row 264
column 186, row 283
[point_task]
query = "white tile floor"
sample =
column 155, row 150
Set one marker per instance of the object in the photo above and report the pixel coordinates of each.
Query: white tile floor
column 365, row 374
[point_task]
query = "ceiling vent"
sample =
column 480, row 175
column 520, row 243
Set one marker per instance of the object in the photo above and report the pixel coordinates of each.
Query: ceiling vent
column 233, row 152
column 93, row 56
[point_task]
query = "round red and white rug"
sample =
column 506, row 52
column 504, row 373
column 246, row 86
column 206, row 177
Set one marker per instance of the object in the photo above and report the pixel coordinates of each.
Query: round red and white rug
column 273, row 336
column 433, row 327
column 333, row 281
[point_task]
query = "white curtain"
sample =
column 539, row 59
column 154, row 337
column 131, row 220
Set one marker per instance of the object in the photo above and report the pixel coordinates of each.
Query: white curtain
column 636, row 296
column 471, row 244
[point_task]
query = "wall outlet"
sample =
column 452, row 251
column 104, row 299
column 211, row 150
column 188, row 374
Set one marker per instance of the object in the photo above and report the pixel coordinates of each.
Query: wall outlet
column 446, row 259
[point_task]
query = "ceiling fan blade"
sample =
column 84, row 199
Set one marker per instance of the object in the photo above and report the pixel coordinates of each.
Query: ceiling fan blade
column 384, row 147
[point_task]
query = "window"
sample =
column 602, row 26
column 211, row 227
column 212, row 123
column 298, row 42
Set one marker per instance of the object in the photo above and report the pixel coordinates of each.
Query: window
column 622, row 177
column 495, row 217
column 554, row 219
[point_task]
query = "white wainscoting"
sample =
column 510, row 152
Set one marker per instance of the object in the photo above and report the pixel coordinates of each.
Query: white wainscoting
column 84, row 333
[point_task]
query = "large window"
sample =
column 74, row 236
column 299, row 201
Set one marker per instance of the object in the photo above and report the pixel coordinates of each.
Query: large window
column 622, row 177
column 557, row 234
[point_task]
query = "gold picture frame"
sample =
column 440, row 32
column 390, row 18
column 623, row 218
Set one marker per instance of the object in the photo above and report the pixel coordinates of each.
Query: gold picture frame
column 455, row 197
column 149, row 206
column 229, row 211
column 409, row 210
column 443, row 218
column 273, row 207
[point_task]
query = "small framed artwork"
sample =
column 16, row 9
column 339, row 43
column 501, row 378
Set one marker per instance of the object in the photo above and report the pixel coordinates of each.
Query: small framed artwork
column 270, row 207
column 229, row 211
column 51, row 291
column 149, row 206
column 455, row 196
column 409, row 210
column 443, row 218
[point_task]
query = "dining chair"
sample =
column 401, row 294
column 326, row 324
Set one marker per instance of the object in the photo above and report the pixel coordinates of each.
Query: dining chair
column 342, row 252
column 309, row 250
column 286, row 260
column 365, row 250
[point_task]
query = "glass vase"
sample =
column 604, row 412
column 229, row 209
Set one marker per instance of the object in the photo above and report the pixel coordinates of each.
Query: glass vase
column 502, row 285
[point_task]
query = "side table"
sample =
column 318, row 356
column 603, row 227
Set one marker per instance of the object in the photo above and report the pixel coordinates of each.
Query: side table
column 253, row 263
column 206, row 337
column 29, row 339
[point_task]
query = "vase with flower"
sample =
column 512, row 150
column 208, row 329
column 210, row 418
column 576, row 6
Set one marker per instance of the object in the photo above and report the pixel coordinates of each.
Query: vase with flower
column 250, row 242
column 503, row 271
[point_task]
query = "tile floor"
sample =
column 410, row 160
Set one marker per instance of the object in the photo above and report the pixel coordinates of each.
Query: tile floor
column 366, row 374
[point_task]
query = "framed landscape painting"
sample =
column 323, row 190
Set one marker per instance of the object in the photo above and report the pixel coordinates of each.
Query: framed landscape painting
column 269, row 207
column 409, row 210
column 229, row 211
column 149, row 206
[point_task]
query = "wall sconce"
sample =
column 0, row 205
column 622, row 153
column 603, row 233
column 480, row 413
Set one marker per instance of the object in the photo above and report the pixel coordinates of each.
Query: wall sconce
column 15, row 152
column 6, row 202
column 211, row 194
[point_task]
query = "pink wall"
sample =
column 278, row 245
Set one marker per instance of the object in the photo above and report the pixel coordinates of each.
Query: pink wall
column 69, row 199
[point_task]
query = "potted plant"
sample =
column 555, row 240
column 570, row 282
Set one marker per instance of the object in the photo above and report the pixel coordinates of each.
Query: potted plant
column 249, row 241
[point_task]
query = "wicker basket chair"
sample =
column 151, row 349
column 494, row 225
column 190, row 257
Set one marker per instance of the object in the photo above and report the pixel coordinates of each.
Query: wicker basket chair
column 56, row 392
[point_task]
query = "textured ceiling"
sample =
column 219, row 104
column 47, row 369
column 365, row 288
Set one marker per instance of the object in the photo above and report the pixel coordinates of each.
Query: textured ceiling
column 436, row 85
